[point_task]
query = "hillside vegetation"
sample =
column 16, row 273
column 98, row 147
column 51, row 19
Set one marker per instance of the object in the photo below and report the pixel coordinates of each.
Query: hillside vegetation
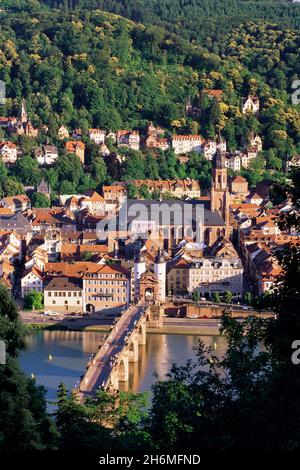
column 195, row 19
column 90, row 68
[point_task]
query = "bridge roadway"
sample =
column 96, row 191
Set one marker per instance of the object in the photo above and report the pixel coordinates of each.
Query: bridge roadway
column 101, row 365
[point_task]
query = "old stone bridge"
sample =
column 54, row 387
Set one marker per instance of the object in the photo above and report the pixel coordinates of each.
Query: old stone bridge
column 111, row 363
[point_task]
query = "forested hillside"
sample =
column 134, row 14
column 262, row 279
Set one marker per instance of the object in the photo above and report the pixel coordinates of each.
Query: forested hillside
column 89, row 68
column 195, row 19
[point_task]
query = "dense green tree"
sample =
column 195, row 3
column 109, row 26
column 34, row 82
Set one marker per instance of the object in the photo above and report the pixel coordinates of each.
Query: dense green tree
column 134, row 167
column 69, row 168
column 228, row 296
column 196, row 296
column 26, row 169
column 99, row 170
column 248, row 298
column 77, row 430
column 132, row 191
column 144, row 192
column 34, row 300
column 40, row 200
column 151, row 167
column 216, row 297
column 24, row 423
column 67, row 187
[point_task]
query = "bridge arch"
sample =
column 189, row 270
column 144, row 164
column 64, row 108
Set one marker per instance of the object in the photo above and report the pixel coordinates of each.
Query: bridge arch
column 90, row 308
column 123, row 369
column 149, row 293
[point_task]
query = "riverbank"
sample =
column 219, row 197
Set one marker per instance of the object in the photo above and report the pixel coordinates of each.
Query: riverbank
column 171, row 326
column 53, row 357
column 172, row 329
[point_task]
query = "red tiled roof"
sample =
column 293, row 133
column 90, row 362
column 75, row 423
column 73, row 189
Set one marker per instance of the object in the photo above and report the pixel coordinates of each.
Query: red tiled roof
column 71, row 145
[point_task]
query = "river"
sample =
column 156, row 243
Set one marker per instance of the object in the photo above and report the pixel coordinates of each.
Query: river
column 61, row 356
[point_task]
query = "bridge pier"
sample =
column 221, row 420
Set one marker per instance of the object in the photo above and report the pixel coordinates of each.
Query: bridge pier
column 142, row 333
column 133, row 351
column 155, row 316
column 114, row 381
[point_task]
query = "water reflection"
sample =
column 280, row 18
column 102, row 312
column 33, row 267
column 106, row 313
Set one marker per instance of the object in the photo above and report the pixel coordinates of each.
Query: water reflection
column 161, row 351
column 61, row 356
column 58, row 356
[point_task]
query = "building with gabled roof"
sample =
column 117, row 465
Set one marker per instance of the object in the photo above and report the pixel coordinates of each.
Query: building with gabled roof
column 18, row 223
column 78, row 148
column 31, row 280
column 103, row 286
column 64, row 294
column 196, row 268
column 51, row 219
column 44, row 188
column 250, row 105
column 11, row 247
column 72, row 251
column 46, row 155
column 16, row 204
column 97, row 135
column 217, row 94
column 177, row 188
column 182, row 144
column 63, row 133
column 129, row 139
column 8, row 152
column 115, row 193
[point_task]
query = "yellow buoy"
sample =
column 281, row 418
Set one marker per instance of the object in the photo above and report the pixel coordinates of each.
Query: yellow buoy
column 50, row 357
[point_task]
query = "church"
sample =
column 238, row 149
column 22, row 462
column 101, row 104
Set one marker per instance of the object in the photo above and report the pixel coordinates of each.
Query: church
column 150, row 281
column 22, row 125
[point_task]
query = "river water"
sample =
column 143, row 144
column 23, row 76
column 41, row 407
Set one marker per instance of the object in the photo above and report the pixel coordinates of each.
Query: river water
column 61, row 356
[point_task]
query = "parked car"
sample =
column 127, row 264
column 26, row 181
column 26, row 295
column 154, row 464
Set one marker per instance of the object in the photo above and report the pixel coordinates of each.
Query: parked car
column 50, row 313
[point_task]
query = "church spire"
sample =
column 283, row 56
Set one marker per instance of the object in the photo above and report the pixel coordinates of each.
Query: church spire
column 24, row 116
column 219, row 139
column 219, row 187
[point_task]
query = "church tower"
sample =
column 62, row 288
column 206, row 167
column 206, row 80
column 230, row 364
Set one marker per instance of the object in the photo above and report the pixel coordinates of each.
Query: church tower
column 23, row 116
column 160, row 271
column 220, row 199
